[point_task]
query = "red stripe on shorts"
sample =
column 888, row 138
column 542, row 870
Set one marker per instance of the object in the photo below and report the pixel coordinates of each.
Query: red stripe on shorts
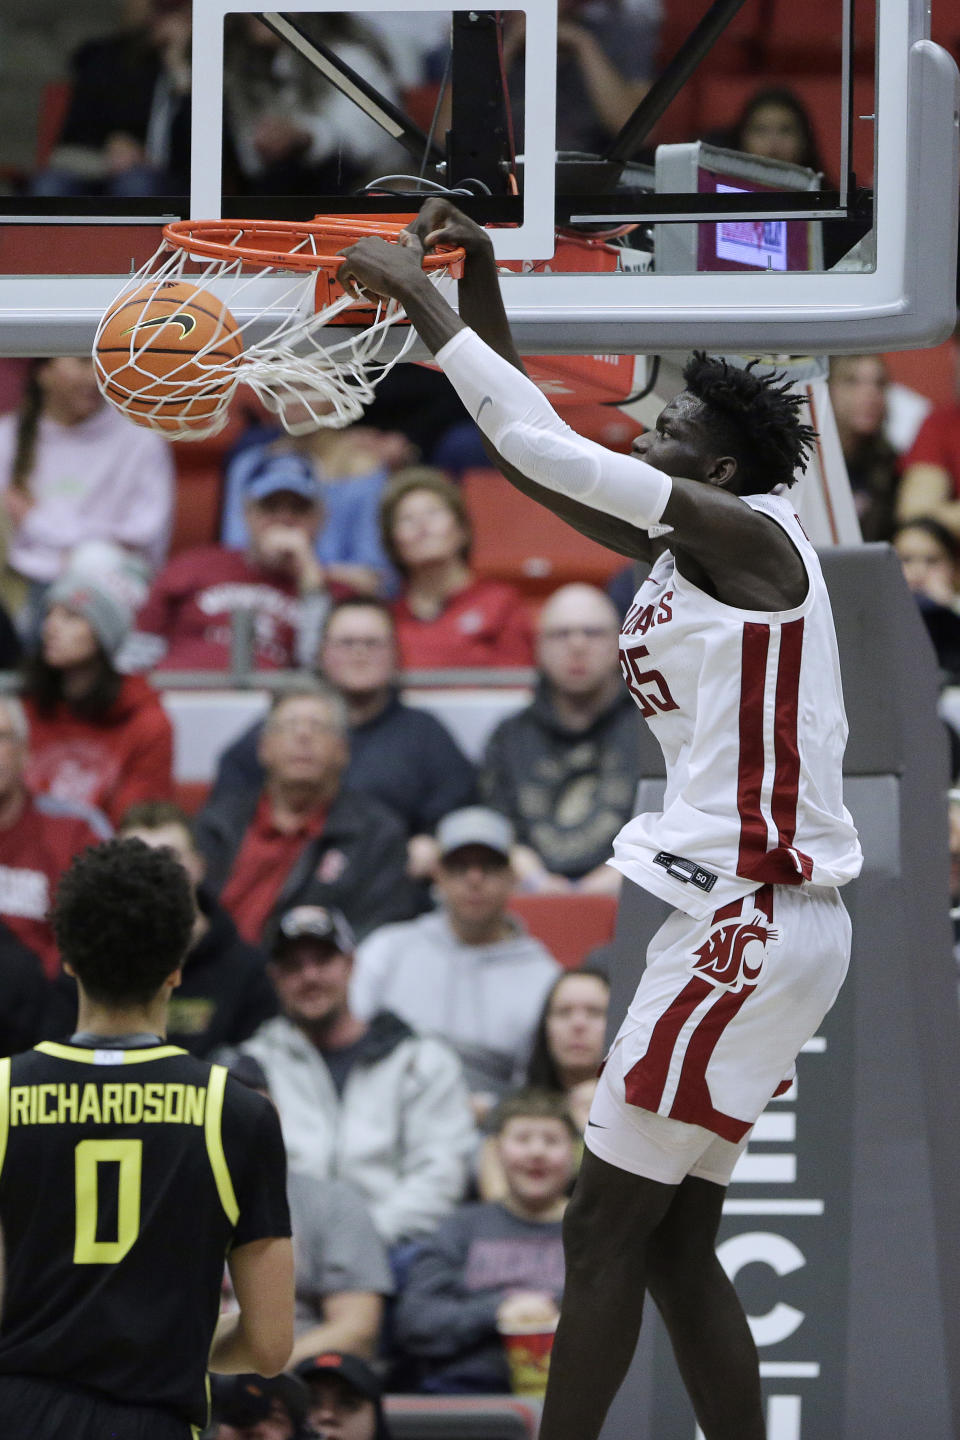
column 692, row 1101
column 645, row 1081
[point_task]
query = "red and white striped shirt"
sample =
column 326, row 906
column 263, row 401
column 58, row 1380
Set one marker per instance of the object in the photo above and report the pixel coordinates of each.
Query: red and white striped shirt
column 748, row 710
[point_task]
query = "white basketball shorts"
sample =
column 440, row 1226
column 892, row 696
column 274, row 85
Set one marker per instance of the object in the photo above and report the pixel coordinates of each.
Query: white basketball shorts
column 713, row 1031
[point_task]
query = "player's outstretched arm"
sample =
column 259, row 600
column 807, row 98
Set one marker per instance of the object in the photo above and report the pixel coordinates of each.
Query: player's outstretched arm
column 260, row 1337
column 538, row 468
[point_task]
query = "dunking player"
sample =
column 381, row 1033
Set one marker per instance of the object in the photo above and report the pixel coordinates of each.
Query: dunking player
column 128, row 1171
column 729, row 651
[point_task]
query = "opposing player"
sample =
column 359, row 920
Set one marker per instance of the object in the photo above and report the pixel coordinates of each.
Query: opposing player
column 128, row 1171
column 730, row 652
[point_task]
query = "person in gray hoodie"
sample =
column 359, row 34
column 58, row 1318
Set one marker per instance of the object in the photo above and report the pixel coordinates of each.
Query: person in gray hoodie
column 564, row 770
column 468, row 971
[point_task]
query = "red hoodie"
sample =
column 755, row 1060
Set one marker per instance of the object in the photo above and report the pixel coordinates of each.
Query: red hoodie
column 110, row 763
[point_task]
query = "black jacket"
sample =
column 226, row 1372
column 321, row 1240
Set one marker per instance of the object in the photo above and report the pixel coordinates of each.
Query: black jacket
column 225, row 994
column 23, row 994
column 358, row 863
column 403, row 757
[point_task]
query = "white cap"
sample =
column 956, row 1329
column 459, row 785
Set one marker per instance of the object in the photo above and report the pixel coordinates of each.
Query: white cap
column 475, row 825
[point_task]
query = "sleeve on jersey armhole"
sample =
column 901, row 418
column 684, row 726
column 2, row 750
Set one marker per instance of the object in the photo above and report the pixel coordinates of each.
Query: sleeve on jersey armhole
column 4, row 1108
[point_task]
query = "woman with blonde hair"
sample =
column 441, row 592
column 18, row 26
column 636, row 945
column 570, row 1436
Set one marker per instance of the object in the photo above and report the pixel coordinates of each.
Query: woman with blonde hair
column 445, row 615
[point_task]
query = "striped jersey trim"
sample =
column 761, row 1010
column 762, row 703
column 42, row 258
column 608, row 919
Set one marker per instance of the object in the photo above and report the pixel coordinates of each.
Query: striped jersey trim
column 768, row 776
column 213, row 1133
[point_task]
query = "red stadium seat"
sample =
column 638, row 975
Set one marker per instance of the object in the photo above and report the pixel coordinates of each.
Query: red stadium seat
column 792, row 44
column 54, row 103
column 569, row 925
column 932, row 372
column 196, row 519
column 199, row 497
column 517, row 540
column 191, row 795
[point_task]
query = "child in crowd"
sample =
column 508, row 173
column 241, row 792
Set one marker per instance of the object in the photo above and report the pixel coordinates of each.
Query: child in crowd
column 568, row 1048
column 493, row 1263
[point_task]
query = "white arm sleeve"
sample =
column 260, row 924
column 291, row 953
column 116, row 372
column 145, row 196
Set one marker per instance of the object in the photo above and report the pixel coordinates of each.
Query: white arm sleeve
column 526, row 430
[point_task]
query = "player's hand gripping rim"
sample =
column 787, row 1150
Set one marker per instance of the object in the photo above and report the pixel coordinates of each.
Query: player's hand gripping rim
column 441, row 223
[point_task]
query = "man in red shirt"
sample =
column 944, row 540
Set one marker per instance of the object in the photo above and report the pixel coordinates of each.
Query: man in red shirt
column 304, row 839
column 278, row 580
column 39, row 836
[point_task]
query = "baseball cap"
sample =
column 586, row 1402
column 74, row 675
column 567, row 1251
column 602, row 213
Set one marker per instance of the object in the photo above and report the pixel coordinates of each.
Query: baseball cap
column 317, row 923
column 283, row 470
column 353, row 1372
column 350, row 1368
column 475, row 825
column 243, row 1400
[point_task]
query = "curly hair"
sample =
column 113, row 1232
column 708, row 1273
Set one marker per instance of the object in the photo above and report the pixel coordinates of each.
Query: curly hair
column 123, row 918
column 752, row 417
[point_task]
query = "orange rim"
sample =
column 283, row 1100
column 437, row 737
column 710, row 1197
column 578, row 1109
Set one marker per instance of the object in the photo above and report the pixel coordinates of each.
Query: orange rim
column 275, row 242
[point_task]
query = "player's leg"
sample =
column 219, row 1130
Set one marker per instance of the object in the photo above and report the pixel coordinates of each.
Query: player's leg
column 606, row 1230
column 711, row 1339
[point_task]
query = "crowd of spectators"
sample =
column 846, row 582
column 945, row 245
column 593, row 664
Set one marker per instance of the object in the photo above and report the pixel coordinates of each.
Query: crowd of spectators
column 355, row 954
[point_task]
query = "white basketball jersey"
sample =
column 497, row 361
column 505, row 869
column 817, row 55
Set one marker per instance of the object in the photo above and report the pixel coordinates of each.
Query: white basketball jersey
column 748, row 710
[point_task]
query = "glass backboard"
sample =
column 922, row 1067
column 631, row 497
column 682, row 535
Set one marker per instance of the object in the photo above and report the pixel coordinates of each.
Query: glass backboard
column 632, row 207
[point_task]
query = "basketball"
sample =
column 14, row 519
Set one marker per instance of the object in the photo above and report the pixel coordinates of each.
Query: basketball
column 161, row 351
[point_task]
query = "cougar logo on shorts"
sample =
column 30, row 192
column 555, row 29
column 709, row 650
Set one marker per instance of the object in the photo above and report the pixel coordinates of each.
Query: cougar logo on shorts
column 734, row 951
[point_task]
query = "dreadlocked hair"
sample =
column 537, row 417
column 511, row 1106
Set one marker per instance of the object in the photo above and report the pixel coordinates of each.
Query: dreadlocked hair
column 755, row 418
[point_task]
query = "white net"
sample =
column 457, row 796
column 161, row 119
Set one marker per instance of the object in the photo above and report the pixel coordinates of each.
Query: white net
column 306, row 382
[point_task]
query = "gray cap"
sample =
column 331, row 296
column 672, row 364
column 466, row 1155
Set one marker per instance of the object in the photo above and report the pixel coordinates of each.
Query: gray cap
column 476, row 825
column 104, row 610
column 315, row 922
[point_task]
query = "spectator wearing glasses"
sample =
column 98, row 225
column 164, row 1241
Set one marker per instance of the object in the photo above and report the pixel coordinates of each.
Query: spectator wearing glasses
column 303, row 838
column 399, row 754
column 565, row 769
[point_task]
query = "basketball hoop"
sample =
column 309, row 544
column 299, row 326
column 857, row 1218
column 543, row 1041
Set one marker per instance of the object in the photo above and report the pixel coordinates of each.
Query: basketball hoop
column 304, row 383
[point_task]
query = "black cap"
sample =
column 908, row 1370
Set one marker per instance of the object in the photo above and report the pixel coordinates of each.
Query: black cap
column 350, row 1368
column 314, row 922
column 243, row 1400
